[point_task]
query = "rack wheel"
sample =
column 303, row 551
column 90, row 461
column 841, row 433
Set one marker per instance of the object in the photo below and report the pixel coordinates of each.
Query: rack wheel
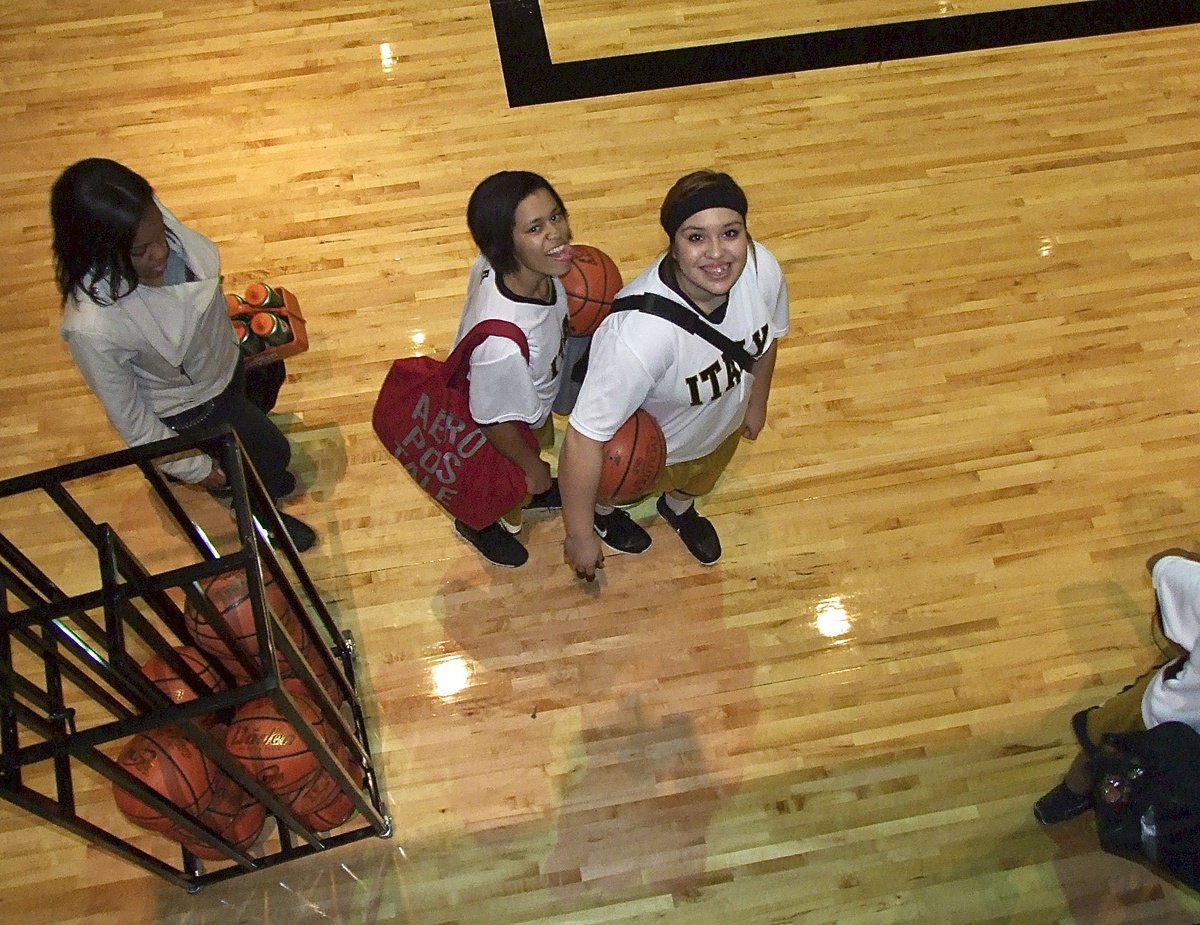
column 387, row 827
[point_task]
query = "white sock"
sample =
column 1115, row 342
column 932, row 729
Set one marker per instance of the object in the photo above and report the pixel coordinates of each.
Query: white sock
column 677, row 506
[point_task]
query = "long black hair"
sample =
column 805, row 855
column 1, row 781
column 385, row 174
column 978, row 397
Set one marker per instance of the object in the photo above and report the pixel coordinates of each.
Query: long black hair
column 492, row 211
column 96, row 206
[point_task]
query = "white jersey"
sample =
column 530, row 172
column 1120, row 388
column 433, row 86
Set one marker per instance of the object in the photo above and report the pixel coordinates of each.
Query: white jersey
column 1177, row 584
column 697, row 396
column 503, row 386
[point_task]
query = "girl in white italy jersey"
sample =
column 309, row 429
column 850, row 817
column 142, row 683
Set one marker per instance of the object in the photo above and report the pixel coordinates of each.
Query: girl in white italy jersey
column 703, row 401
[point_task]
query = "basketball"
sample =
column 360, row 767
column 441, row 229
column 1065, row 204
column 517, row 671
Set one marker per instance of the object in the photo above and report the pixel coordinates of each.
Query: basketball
column 591, row 284
column 632, row 459
column 321, row 805
column 167, row 680
column 262, row 740
column 171, row 766
column 309, row 651
column 234, row 815
column 324, row 678
column 330, row 815
column 230, row 596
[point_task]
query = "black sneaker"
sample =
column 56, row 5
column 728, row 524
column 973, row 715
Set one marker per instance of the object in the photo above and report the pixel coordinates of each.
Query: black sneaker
column 1060, row 804
column 303, row 536
column 494, row 544
column 698, row 533
column 621, row 532
column 548, row 500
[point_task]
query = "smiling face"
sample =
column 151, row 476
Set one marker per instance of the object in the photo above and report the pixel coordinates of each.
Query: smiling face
column 148, row 254
column 541, row 244
column 710, row 250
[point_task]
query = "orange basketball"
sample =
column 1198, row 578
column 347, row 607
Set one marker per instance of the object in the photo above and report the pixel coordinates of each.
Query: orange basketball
column 167, row 679
column 271, row 750
column 591, row 284
column 234, row 815
column 330, row 815
column 632, row 459
column 230, row 596
column 173, row 767
column 321, row 805
column 324, row 678
column 308, row 649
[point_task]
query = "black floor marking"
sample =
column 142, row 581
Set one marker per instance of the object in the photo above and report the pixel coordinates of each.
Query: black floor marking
column 531, row 77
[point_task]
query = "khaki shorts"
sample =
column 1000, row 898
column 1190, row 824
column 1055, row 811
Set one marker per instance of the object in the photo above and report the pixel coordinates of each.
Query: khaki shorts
column 698, row 476
column 1122, row 712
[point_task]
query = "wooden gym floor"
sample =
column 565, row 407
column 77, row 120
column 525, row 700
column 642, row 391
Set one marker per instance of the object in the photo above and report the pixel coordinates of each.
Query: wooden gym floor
column 984, row 421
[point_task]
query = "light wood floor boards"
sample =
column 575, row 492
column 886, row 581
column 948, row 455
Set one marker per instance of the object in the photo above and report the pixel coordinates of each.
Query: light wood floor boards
column 984, row 421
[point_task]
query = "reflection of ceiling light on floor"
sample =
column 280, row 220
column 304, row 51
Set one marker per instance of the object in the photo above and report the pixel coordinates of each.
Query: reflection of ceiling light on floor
column 386, row 61
column 450, row 675
column 832, row 619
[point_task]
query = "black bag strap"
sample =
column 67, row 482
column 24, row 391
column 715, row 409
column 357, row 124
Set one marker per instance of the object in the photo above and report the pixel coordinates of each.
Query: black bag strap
column 653, row 304
column 460, row 357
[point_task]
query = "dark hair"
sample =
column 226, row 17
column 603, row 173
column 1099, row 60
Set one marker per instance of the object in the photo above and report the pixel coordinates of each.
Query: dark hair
column 96, row 206
column 697, row 191
column 492, row 211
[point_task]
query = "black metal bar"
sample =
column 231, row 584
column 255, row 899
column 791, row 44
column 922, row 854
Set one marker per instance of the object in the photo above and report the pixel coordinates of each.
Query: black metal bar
column 329, row 651
column 118, row 776
column 69, row 669
column 283, row 814
column 164, row 493
column 18, row 567
column 95, row 465
column 328, row 760
column 288, row 854
column 10, row 774
column 43, row 806
column 154, row 591
column 59, row 631
column 178, row 577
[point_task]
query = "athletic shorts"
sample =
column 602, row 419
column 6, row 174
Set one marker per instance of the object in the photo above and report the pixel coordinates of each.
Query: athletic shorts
column 1122, row 712
column 698, row 476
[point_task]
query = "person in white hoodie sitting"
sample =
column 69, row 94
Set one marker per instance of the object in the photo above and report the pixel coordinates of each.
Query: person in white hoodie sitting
column 146, row 322
column 1169, row 692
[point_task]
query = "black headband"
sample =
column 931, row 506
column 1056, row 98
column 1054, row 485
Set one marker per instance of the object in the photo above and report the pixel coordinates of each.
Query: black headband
column 718, row 196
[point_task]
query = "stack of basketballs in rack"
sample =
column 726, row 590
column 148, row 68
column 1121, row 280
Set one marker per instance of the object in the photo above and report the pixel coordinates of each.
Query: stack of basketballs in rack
column 258, row 736
column 267, row 323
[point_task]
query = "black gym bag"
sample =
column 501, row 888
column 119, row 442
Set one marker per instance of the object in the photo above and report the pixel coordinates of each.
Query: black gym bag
column 1147, row 798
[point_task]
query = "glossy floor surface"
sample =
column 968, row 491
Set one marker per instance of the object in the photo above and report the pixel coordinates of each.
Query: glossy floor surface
column 984, row 421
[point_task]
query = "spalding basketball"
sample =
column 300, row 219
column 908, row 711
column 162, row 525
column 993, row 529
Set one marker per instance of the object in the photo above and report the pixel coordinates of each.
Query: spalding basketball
column 271, row 750
column 173, row 767
column 632, row 459
column 330, row 815
column 234, row 815
column 321, row 805
column 167, row 679
column 591, row 284
column 230, row 596
column 309, row 651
